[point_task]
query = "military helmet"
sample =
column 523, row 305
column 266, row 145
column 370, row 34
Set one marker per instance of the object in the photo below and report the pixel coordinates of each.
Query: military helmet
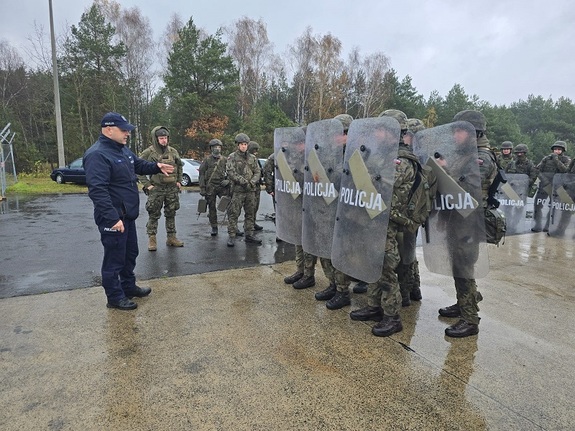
column 414, row 125
column 521, row 148
column 559, row 144
column 345, row 119
column 506, row 145
column 241, row 137
column 162, row 131
column 253, row 147
column 398, row 115
column 476, row 118
column 215, row 142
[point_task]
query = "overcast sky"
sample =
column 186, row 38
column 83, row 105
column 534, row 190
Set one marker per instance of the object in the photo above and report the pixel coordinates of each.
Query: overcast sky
column 500, row 50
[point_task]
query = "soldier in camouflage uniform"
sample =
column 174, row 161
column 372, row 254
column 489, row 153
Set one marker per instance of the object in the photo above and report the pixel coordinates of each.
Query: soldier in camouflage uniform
column 162, row 191
column 384, row 296
column 464, row 252
column 244, row 174
column 555, row 163
column 213, row 182
column 506, row 157
column 253, row 148
column 522, row 165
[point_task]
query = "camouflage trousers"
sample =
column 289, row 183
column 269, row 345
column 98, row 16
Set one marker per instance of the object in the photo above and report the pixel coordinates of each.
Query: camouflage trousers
column 211, row 200
column 167, row 197
column 245, row 200
column 257, row 194
column 335, row 276
column 408, row 268
column 468, row 298
column 385, row 292
column 305, row 262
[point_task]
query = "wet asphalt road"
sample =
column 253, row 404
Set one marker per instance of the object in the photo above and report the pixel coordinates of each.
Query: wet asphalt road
column 50, row 243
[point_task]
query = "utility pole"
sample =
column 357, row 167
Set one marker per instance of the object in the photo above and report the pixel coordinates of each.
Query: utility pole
column 57, row 109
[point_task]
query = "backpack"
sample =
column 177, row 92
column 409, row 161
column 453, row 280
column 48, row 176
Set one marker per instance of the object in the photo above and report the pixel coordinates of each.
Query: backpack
column 422, row 194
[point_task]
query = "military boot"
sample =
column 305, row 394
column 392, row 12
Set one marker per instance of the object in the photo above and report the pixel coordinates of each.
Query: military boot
column 415, row 294
column 250, row 239
column 360, row 287
column 326, row 294
column 304, row 282
column 172, row 241
column 214, row 231
column 388, row 325
column 340, row 300
column 231, row 240
column 152, row 244
column 451, row 311
column 462, row 329
column 258, row 227
column 291, row 279
column 367, row 313
column 405, row 301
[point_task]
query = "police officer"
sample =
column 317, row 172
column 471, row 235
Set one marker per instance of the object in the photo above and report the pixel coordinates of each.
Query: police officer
column 522, row 165
column 244, row 173
column 384, row 296
column 555, row 163
column 254, row 148
column 505, row 157
column 463, row 249
column 163, row 191
column 213, row 182
column 111, row 170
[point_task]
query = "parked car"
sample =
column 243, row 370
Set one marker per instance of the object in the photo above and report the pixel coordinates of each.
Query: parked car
column 72, row 173
column 191, row 172
column 262, row 163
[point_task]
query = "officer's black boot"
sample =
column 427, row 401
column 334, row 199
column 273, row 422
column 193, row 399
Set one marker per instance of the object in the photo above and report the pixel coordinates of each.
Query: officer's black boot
column 326, row 294
column 340, row 300
column 304, row 282
column 214, row 231
column 388, row 325
column 451, row 311
column 462, row 329
column 291, row 279
column 231, row 241
column 415, row 294
column 360, row 287
column 367, row 313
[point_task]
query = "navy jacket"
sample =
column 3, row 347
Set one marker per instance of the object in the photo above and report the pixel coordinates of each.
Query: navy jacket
column 111, row 170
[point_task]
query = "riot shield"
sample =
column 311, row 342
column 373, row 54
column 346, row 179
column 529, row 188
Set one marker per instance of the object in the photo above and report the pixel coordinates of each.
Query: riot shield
column 324, row 147
column 542, row 202
column 454, row 238
column 512, row 197
column 563, row 206
column 289, row 153
column 365, row 198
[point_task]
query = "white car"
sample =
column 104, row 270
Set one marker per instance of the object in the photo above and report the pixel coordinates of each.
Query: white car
column 191, row 172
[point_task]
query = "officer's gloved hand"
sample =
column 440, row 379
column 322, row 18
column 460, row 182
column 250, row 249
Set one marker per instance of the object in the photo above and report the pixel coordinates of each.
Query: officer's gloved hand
column 225, row 183
column 203, row 192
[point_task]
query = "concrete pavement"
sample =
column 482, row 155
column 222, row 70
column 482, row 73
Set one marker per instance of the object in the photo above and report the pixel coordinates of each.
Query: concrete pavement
column 240, row 350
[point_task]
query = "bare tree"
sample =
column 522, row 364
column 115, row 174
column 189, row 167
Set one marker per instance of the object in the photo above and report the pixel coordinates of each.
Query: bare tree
column 374, row 95
column 10, row 63
column 251, row 50
column 329, row 70
column 301, row 58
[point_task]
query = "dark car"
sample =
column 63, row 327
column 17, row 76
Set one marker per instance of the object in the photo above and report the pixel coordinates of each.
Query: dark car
column 72, row 173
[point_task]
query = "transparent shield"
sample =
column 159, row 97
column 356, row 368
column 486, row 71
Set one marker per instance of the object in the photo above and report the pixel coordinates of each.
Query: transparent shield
column 563, row 206
column 324, row 147
column 365, row 198
column 512, row 197
column 289, row 154
column 542, row 202
column 454, row 237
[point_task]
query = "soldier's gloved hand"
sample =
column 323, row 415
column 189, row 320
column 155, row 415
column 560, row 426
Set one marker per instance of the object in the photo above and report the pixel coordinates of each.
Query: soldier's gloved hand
column 252, row 185
column 225, row 183
column 203, row 192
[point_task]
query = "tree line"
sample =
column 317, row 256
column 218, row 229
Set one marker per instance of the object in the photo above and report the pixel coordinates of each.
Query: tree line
column 204, row 86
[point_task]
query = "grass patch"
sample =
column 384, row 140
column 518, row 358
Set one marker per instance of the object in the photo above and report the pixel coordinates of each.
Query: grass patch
column 36, row 185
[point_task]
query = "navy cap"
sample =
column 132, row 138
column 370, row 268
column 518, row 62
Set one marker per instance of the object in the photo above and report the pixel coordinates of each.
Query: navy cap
column 117, row 120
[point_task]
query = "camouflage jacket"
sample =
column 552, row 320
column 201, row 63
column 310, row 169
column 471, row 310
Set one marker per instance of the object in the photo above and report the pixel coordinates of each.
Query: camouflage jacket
column 504, row 161
column 269, row 174
column 212, row 173
column 523, row 166
column 243, row 171
column 403, row 181
column 554, row 164
column 487, row 167
column 158, row 153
